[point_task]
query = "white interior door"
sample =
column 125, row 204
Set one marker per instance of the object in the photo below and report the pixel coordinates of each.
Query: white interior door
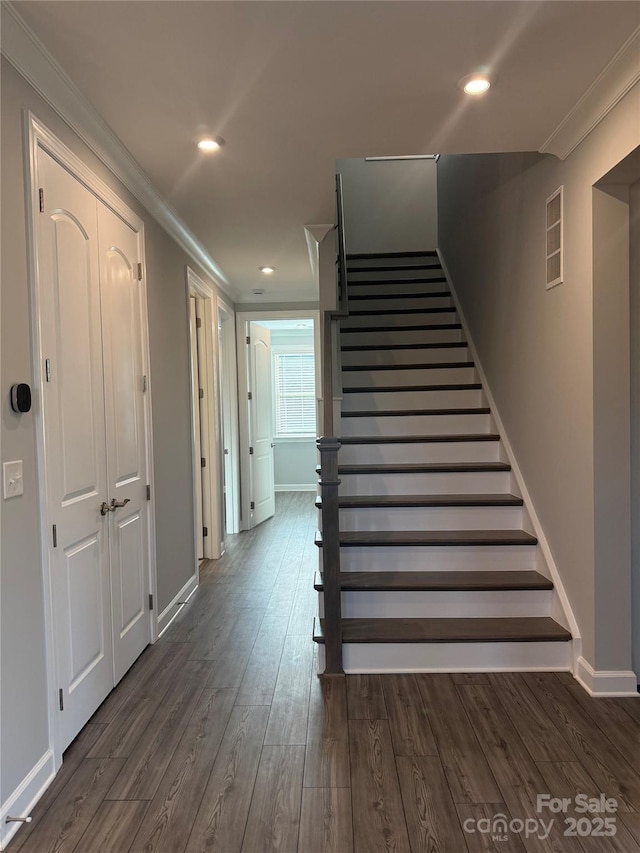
column 74, row 433
column 197, row 440
column 125, row 386
column 261, row 424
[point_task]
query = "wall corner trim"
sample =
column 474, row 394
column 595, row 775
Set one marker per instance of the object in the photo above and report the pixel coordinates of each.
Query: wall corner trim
column 27, row 54
column 609, row 87
column 175, row 605
column 605, row 683
column 26, row 795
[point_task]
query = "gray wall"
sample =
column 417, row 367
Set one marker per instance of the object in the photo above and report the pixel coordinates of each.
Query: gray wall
column 24, row 737
column 538, row 348
column 389, row 205
column 634, row 275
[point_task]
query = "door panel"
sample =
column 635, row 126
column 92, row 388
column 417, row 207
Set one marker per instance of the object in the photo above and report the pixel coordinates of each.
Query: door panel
column 74, row 434
column 261, row 423
column 195, row 396
column 122, row 321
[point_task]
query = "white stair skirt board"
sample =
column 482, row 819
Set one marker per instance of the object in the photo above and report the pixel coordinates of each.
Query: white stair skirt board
column 417, row 355
column 420, row 452
column 456, row 657
column 458, row 424
column 431, row 518
column 415, row 318
column 423, row 604
column 175, row 605
column 21, row 801
column 409, row 303
column 415, row 336
column 484, row 482
column 425, row 558
column 409, row 376
column 606, row 683
column 459, row 398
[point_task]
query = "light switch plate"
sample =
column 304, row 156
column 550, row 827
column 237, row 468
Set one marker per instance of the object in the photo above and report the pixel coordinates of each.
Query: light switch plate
column 12, row 479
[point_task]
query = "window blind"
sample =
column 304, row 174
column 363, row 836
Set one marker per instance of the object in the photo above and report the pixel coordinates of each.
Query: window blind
column 295, row 394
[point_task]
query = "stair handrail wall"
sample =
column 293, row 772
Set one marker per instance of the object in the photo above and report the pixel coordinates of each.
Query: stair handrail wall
column 329, row 445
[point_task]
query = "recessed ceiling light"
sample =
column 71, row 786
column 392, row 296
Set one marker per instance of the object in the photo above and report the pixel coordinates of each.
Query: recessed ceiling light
column 268, row 270
column 475, row 84
column 210, row 143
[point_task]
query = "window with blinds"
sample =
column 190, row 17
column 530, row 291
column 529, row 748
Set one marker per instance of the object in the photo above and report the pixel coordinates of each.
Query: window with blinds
column 294, row 394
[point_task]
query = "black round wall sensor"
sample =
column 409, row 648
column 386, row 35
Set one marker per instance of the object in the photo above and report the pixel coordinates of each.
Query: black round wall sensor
column 21, row 398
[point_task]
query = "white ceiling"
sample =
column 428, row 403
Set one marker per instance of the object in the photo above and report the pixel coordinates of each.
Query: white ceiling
column 293, row 86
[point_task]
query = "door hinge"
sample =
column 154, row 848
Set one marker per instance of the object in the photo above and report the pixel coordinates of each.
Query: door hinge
column 61, row 699
column 47, row 369
column 41, row 199
column 251, row 451
column 249, row 396
column 139, row 272
column 150, row 601
column 226, row 452
column 252, row 505
column 144, row 384
column 148, row 492
column 55, row 535
column 248, row 339
column 201, row 393
column 205, row 531
column 198, row 322
column 203, row 462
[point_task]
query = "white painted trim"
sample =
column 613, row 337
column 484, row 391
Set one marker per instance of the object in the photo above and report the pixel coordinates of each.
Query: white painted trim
column 606, row 682
column 176, row 604
column 314, row 235
column 569, row 620
column 296, row 487
column 21, row 802
column 30, row 58
column 210, row 438
column 228, row 384
column 609, row 87
column 38, row 136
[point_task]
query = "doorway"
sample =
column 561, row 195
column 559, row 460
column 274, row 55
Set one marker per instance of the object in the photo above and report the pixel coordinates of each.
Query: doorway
column 278, row 373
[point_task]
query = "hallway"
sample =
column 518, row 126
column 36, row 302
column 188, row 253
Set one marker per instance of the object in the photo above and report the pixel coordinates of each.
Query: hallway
column 221, row 739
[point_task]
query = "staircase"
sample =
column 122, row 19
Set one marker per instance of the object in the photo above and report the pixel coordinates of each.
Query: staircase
column 438, row 567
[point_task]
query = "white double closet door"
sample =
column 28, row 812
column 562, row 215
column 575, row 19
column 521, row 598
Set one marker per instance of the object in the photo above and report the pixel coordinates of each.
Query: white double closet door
column 91, row 313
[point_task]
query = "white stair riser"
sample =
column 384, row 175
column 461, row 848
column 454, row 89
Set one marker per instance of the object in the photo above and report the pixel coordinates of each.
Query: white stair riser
column 445, row 483
column 422, row 604
column 412, row 318
column 408, row 303
column 437, row 451
column 357, row 273
column 415, row 425
column 363, row 401
column 426, row 558
column 417, row 336
column 410, row 376
column 456, row 657
column 392, row 287
column 432, row 518
column 405, row 356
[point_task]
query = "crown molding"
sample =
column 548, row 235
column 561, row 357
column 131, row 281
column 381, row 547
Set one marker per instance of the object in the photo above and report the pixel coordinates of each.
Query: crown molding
column 609, row 87
column 26, row 53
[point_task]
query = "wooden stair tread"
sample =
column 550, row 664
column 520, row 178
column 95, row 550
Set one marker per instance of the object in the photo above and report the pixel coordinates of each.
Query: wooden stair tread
column 376, row 312
column 366, row 389
column 431, row 365
column 353, row 538
column 423, row 467
column 440, row 294
column 377, row 347
column 359, row 256
column 468, row 581
column 374, row 501
column 392, row 413
column 523, row 629
column 418, row 439
column 440, row 279
column 421, row 327
column 390, row 268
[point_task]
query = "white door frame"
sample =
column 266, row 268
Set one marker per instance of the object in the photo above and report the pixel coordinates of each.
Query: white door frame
column 211, row 437
column 243, row 318
column 228, row 384
column 39, row 137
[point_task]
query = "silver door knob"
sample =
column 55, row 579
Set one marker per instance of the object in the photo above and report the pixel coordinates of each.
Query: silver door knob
column 116, row 504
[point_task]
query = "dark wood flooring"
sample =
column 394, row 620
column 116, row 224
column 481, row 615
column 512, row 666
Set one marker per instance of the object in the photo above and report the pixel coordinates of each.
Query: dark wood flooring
column 222, row 739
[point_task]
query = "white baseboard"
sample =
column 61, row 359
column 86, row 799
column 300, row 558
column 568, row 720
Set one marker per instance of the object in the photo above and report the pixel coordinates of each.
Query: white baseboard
column 26, row 795
column 175, row 605
column 297, row 487
column 606, row 682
